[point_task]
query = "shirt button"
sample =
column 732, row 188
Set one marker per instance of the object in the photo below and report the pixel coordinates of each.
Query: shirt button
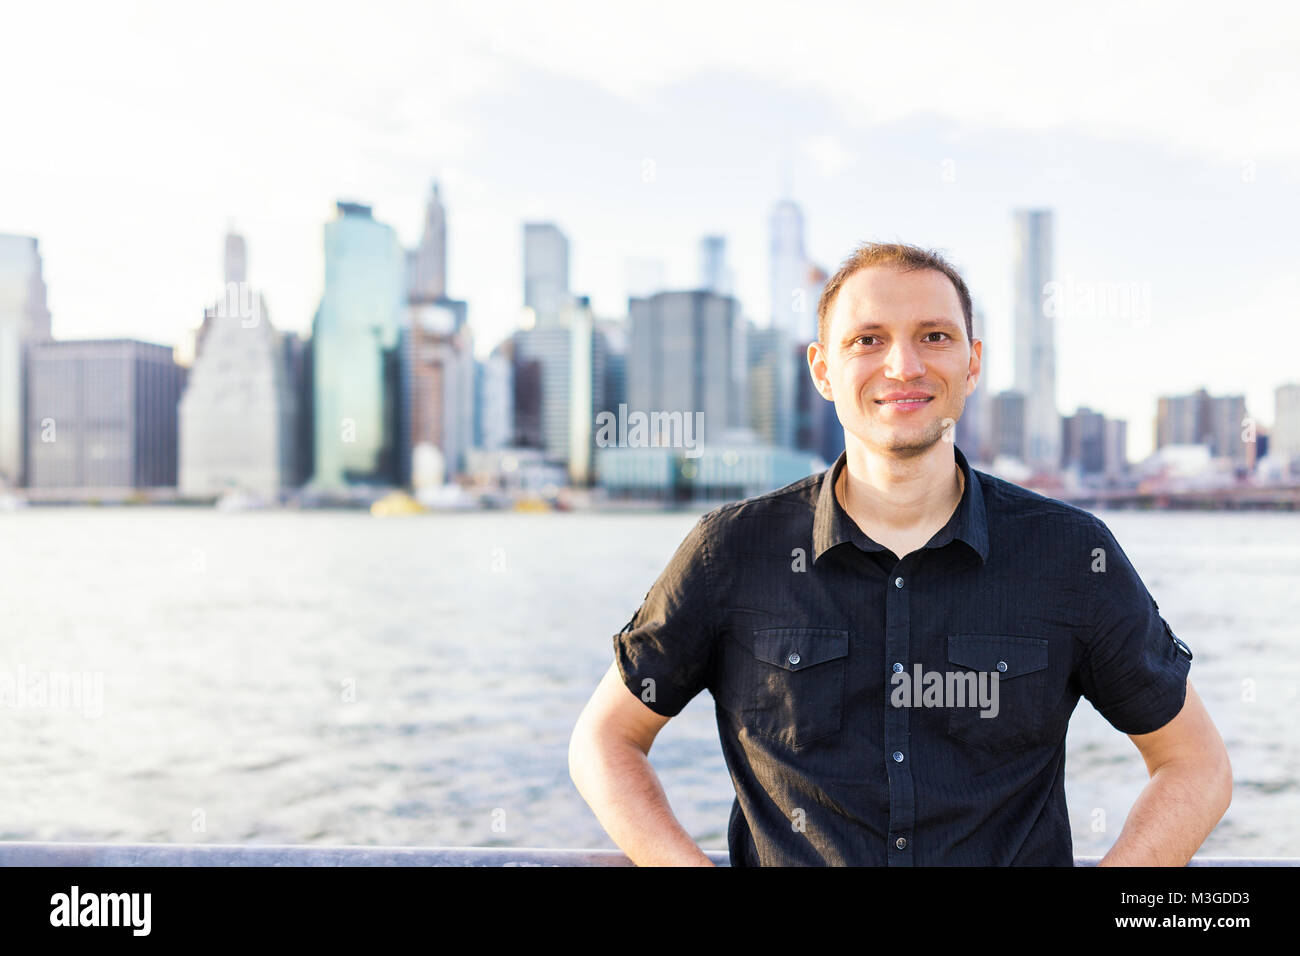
column 901, row 843
column 898, row 756
column 898, row 668
column 898, row 582
column 794, row 658
column 1002, row 665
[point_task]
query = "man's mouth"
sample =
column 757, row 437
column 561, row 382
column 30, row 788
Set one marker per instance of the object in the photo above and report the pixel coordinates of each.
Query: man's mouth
column 903, row 401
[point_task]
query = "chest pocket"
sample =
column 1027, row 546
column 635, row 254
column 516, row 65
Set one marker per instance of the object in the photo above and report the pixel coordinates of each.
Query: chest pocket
column 787, row 683
column 1020, row 664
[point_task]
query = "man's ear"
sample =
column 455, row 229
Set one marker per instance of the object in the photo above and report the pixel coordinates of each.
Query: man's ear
column 977, row 349
column 817, row 359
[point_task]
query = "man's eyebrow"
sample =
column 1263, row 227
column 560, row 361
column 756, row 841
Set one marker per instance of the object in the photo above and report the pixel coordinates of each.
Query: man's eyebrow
column 934, row 323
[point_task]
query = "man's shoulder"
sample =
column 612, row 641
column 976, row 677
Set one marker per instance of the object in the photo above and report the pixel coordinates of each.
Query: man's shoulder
column 1008, row 503
column 796, row 501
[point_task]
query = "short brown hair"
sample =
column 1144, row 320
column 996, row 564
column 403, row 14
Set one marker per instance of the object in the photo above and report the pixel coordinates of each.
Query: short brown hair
column 904, row 257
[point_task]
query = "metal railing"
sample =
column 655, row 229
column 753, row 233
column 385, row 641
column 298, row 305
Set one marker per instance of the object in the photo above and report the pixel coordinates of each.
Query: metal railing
column 218, row 854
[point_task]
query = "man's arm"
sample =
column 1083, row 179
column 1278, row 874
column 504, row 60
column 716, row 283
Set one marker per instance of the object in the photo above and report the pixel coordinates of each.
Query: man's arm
column 608, row 762
column 1188, row 793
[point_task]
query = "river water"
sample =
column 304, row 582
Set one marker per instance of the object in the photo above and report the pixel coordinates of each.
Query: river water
column 332, row 678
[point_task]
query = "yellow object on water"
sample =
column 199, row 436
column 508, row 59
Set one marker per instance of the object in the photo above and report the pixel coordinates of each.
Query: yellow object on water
column 532, row 504
column 396, row 503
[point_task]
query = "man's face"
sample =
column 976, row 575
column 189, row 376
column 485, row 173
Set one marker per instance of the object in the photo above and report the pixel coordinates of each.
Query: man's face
column 893, row 333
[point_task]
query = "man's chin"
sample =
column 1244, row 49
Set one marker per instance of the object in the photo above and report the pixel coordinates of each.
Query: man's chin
column 903, row 441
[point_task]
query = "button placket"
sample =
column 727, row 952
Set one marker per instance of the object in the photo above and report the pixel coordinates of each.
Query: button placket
column 902, row 798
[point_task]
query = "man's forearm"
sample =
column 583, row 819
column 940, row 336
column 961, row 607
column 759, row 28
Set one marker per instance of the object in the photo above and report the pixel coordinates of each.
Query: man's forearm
column 1177, row 809
column 623, row 791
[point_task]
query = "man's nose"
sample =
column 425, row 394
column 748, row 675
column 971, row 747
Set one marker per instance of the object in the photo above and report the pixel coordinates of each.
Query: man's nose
column 903, row 361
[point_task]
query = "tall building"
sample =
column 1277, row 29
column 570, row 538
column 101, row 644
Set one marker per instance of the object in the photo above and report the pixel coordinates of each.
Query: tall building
column 236, row 258
column 614, row 333
column 1035, row 372
column 354, row 348
column 1226, row 416
column 1216, row 422
column 1115, row 448
column 1008, row 425
column 1181, row 420
column 788, row 272
column 437, row 365
column 427, row 263
column 437, row 392
column 588, row 354
column 24, row 321
column 1083, row 442
column 495, row 399
column 715, row 276
column 542, row 413
column 679, row 358
column 1285, row 440
column 102, row 415
column 771, row 386
column 238, row 414
column 297, row 364
column 546, row 271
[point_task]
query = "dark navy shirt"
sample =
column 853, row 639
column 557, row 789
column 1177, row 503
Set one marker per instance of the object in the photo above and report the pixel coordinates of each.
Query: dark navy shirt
column 807, row 633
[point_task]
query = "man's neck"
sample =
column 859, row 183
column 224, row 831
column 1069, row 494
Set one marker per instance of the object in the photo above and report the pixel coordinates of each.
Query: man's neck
column 901, row 498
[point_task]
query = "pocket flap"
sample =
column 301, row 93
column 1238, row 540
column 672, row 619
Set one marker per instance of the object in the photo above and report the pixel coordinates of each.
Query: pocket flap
column 1004, row 655
column 795, row 648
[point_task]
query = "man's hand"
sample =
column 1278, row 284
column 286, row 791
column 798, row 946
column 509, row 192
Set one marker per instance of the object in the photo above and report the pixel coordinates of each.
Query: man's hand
column 1189, row 791
column 609, row 766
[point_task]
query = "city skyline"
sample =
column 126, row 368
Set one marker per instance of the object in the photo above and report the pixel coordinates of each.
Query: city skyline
column 1150, row 180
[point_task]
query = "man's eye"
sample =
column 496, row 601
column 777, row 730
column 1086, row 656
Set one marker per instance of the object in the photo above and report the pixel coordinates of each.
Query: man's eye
column 861, row 337
column 939, row 333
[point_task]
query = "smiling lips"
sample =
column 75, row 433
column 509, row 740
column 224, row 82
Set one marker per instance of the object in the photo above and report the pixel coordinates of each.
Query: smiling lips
column 905, row 400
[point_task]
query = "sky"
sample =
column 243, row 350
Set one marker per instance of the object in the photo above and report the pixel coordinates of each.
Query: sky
column 1162, row 137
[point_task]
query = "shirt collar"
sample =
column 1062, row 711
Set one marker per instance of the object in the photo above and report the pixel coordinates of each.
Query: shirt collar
column 833, row 526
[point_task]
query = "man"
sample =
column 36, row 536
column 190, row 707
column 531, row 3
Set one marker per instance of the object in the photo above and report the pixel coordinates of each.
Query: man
column 837, row 621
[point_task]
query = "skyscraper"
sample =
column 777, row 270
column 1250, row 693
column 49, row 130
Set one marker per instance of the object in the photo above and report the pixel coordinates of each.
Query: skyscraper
column 354, row 342
column 770, row 404
column 1008, row 425
column 679, row 358
column 24, row 321
column 588, row 353
column 788, row 271
column 102, row 415
column 1285, row 441
column 715, row 276
column 427, row 263
column 236, row 258
column 494, row 402
column 543, row 369
column 1035, row 372
column 546, row 271
column 1203, row 419
column 238, row 416
column 437, row 389
column 437, row 364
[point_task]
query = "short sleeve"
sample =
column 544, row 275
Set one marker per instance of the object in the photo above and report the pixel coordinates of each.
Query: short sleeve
column 1134, row 670
column 664, row 653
